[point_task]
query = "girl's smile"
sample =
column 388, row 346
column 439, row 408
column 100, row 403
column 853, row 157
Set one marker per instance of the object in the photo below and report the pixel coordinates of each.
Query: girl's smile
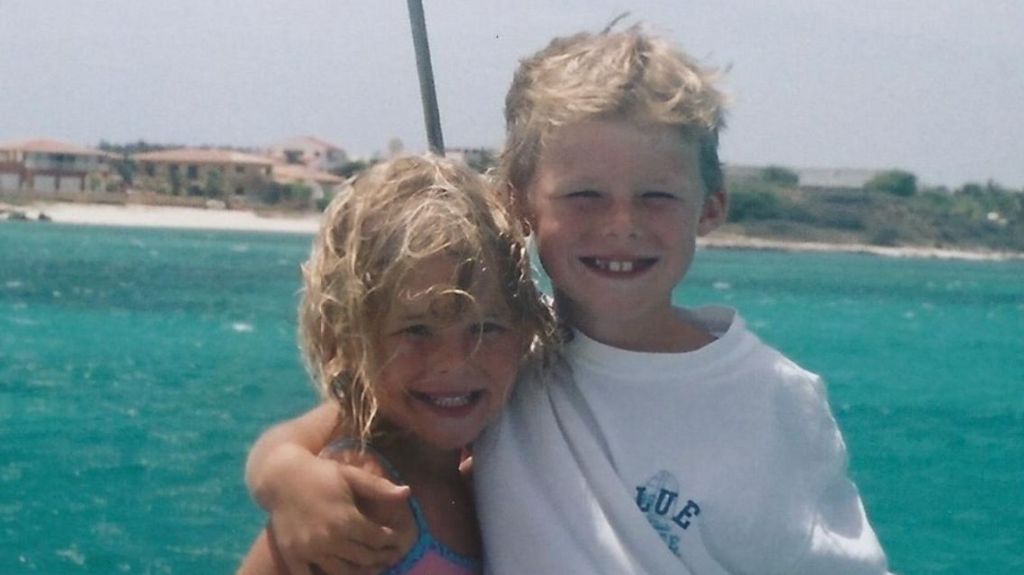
column 445, row 376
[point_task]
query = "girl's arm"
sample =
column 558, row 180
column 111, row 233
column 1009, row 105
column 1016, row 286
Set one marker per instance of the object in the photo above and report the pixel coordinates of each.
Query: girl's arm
column 313, row 501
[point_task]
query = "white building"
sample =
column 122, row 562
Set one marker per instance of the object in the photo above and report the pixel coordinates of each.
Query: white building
column 50, row 166
column 311, row 152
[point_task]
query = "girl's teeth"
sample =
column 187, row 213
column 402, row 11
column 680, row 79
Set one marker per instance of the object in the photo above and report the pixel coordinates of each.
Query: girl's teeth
column 451, row 401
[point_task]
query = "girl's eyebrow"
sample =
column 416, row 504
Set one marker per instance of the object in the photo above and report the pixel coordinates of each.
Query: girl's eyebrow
column 495, row 311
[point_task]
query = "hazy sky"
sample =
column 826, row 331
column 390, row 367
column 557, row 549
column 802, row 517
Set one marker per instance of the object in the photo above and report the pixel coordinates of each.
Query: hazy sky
column 932, row 86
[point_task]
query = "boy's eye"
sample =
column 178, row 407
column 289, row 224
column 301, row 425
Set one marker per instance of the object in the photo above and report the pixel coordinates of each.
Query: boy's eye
column 658, row 195
column 583, row 194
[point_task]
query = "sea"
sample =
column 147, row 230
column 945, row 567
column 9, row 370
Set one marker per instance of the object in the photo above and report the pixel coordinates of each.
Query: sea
column 137, row 366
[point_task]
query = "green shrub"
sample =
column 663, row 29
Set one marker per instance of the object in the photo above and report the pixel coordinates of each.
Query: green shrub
column 756, row 205
column 780, row 176
column 895, row 182
column 352, row 168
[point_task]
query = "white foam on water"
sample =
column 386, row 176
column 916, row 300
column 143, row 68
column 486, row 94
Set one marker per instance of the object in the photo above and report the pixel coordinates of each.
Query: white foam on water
column 72, row 554
column 242, row 327
column 107, row 530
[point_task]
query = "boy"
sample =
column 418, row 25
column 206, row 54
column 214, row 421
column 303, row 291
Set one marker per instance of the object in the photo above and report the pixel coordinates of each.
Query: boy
column 672, row 440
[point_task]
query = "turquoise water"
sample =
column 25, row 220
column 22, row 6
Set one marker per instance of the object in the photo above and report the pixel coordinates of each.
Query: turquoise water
column 136, row 367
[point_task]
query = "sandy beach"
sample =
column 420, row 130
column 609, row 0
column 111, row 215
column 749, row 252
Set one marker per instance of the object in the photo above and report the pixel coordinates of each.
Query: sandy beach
column 146, row 216
column 134, row 215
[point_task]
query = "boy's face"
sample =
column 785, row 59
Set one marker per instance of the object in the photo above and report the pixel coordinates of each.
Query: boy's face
column 615, row 209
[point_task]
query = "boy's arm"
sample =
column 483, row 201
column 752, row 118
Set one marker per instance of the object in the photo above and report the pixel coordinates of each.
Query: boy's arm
column 263, row 558
column 284, row 445
column 313, row 501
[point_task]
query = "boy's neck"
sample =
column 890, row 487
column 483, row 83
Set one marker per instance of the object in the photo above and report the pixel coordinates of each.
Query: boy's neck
column 670, row 332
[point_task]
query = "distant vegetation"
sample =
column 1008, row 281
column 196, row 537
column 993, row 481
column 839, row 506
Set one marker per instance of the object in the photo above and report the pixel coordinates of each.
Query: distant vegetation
column 890, row 210
column 894, row 182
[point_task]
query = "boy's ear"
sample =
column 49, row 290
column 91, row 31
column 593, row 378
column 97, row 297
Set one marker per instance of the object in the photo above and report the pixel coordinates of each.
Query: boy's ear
column 519, row 207
column 714, row 211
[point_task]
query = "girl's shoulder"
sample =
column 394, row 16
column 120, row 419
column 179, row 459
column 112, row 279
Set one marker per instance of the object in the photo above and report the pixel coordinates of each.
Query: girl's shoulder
column 360, row 455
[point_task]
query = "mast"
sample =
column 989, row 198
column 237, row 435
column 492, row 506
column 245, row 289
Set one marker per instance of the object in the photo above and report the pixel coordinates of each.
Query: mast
column 431, row 115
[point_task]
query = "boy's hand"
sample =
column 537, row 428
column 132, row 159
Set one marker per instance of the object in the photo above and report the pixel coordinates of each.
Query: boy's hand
column 321, row 520
column 466, row 470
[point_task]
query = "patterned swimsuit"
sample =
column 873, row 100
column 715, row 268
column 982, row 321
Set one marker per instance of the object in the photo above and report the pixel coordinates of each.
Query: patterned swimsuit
column 428, row 556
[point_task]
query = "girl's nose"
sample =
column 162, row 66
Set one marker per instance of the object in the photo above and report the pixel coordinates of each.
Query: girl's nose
column 450, row 353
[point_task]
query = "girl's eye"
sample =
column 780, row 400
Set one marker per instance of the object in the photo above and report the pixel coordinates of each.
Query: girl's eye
column 417, row 330
column 487, row 327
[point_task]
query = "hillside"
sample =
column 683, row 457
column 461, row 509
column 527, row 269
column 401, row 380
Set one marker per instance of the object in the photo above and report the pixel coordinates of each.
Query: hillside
column 889, row 211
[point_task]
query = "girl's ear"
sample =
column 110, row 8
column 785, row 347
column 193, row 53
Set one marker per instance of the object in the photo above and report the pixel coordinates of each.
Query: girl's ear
column 714, row 211
column 329, row 347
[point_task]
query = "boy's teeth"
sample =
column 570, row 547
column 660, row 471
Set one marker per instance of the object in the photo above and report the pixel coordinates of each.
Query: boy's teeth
column 615, row 265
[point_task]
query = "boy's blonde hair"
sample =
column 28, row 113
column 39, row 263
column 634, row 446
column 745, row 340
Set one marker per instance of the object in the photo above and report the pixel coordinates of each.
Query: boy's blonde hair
column 626, row 74
column 387, row 221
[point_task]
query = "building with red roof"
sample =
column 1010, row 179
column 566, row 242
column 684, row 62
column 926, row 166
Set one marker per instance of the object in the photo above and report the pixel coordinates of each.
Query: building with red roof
column 51, row 166
column 212, row 173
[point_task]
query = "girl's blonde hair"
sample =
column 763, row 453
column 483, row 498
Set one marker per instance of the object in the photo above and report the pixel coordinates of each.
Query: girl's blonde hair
column 388, row 220
column 628, row 74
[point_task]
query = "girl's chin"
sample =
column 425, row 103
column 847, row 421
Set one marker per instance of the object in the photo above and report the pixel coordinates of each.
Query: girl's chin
column 450, row 442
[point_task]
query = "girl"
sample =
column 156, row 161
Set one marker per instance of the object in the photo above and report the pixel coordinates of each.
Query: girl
column 417, row 312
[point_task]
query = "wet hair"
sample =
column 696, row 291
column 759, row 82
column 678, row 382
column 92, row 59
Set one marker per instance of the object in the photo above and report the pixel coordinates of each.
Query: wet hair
column 627, row 74
column 382, row 225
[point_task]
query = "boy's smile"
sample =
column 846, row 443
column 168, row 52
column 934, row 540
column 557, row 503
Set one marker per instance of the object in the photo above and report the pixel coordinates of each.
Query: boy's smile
column 619, row 267
column 615, row 209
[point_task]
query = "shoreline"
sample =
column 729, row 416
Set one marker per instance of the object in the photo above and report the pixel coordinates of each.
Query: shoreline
column 171, row 217
column 168, row 217
column 737, row 242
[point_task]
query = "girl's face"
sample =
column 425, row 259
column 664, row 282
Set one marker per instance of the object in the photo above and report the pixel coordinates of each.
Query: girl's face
column 443, row 379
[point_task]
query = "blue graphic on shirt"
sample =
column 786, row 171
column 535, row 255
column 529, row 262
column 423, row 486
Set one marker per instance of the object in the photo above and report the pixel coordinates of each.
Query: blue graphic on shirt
column 670, row 515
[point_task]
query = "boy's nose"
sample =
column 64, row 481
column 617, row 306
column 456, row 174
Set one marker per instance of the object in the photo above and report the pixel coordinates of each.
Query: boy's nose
column 621, row 220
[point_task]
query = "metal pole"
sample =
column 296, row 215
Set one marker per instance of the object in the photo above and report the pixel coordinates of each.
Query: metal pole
column 426, row 74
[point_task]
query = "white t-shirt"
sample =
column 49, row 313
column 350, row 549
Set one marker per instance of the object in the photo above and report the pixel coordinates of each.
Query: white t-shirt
column 725, row 459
